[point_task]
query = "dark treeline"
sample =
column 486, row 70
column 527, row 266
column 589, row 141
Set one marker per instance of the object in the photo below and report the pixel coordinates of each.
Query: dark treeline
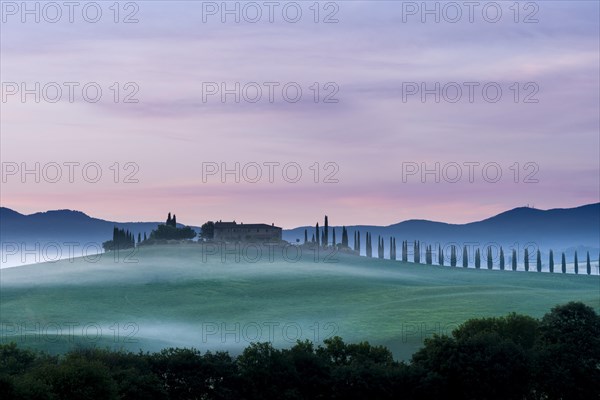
column 511, row 357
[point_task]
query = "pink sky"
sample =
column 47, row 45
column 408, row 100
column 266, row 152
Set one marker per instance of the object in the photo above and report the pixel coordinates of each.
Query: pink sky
column 367, row 136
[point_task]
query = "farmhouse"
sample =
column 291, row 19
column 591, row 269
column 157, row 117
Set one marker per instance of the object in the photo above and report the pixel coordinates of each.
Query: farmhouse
column 234, row 232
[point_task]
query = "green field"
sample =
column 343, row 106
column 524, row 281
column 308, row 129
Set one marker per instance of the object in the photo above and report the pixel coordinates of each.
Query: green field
column 174, row 296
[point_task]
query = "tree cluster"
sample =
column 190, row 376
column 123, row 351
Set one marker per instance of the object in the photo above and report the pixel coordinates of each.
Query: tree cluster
column 505, row 358
column 121, row 239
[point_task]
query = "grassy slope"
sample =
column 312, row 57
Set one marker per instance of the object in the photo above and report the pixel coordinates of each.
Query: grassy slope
column 176, row 298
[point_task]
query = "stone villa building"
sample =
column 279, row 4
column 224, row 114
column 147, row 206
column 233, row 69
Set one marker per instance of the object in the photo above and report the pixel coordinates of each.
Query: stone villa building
column 234, row 232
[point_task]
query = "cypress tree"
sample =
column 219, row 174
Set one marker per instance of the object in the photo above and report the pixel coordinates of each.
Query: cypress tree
column 317, row 234
column 392, row 248
column 490, row 261
column 313, row 238
column 576, row 264
column 333, row 235
column 538, row 261
column 501, row 259
column 168, row 220
column 305, row 236
column 354, row 240
column 526, row 259
column 326, row 233
column 588, row 264
column 453, row 256
column 415, row 252
column 174, row 221
column 145, row 238
column 429, row 256
column 440, row 255
column 323, row 239
column 514, row 260
column 563, row 264
column 477, row 259
column 551, row 261
column 465, row 257
column 344, row 237
column 358, row 242
column 139, row 237
column 404, row 251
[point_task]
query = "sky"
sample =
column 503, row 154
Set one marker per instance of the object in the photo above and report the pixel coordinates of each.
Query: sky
column 370, row 112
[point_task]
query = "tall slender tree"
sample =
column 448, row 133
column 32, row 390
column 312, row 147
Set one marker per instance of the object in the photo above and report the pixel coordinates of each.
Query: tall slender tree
column 326, row 233
column 563, row 263
column 465, row 257
column 538, row 261
column 317, row 234
column 588, row 265
column 416, row 252
column 490, row 261
column 551, row 261
column 526, row 259
column 358, row 242
column 477, row 259
column 139, row 237
column 369, row 246
column 344, row 237
column 145, row 237
column 514, row 260
column 501, row 259
column 392, row 248
column 355, row 242
column 405, row 251
column 440, row 255
column 305, row 236
column 576, row 263
column 453, row 256
column 334, row 242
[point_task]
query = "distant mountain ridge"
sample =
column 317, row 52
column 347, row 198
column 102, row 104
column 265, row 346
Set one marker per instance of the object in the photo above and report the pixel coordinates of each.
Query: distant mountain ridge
column 560, row 229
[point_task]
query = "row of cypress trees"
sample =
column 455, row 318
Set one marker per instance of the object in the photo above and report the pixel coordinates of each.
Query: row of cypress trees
column 321, row 236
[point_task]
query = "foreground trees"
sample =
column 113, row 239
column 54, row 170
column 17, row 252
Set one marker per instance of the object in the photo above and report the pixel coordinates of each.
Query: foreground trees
column 511, row 357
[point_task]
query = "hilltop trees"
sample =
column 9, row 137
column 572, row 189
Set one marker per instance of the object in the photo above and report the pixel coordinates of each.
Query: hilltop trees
column 170, row 231
column 121, row 239
column 207, row 231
